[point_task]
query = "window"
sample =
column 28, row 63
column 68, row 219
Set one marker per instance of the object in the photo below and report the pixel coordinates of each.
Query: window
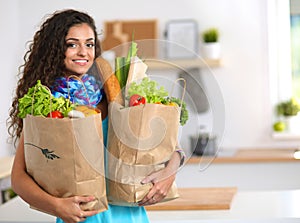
column 279, row 45
column 283, row 26
column 295, row 46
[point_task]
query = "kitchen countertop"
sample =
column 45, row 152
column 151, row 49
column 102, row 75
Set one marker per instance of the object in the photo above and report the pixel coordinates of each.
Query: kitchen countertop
column 199, row 199
column 249, row 156
column 5, row 167
column 223, row 156
column 245, row 205
column 253, row 205
column 265, row 206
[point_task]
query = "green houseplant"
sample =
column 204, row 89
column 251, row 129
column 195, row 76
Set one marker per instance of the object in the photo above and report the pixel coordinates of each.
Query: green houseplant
column 211, row 46
column 210, row 35
column 289, row 110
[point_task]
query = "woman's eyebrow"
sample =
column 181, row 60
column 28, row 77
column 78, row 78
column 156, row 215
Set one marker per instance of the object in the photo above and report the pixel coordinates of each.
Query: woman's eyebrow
column 75, row 39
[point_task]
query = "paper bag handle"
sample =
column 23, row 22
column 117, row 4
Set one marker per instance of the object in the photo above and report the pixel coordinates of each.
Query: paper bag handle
column 184, row 88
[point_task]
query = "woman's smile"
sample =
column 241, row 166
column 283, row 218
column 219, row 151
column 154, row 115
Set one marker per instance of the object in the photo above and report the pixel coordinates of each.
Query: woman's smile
column 81, row 62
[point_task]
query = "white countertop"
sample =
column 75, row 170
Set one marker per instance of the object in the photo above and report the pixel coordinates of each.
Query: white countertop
column 5, row 166
column 247, row 206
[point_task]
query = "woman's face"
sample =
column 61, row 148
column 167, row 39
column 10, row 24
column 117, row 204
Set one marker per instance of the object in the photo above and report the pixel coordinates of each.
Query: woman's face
column 80, row 52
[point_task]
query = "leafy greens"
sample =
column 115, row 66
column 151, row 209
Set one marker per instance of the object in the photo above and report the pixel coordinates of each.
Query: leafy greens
column 39, row 101
column 148, row 89
column 155, row 94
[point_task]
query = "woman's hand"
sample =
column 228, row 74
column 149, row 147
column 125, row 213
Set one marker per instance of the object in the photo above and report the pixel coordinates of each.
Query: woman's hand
column 162, row 181
column 68, row 209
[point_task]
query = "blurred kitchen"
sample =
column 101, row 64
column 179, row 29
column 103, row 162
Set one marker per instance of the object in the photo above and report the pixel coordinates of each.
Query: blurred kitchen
column 235, row 138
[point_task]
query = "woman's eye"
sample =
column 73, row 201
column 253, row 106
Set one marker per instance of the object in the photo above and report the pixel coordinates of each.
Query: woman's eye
column 90, row 45
column 71, row 45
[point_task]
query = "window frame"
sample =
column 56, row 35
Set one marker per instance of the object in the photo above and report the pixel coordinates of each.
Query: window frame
column 279, row 40
column 279, row 52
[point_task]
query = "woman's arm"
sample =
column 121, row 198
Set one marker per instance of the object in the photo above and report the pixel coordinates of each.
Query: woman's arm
column 162, row 180
column 66, row 208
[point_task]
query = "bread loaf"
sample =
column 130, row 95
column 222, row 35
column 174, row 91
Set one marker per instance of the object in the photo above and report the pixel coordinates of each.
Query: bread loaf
column 110, row 82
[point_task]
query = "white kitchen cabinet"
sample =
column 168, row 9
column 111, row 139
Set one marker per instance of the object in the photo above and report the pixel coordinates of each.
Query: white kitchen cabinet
column 269, row 169
column 244, row 176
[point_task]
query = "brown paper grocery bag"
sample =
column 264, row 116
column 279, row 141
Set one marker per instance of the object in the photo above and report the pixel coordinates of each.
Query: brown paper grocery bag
column 65, row 157
column 141, row 139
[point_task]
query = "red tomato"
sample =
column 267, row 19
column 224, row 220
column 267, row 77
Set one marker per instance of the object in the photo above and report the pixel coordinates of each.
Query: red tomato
column 55, row 114
column 136, row 100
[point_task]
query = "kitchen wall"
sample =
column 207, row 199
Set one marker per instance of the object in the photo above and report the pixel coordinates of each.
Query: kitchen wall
column 243, row 78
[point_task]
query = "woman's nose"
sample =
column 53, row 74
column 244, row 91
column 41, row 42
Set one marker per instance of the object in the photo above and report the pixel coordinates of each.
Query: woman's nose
column 82, row 51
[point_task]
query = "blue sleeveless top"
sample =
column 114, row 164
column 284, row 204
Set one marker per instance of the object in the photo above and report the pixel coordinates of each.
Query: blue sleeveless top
column 116, row 213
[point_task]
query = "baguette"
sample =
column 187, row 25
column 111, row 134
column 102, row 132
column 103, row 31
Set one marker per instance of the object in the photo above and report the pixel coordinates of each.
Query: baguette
column 110, row 82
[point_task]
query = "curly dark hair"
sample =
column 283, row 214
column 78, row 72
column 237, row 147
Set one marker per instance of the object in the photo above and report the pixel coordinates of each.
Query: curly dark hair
column 45, row 58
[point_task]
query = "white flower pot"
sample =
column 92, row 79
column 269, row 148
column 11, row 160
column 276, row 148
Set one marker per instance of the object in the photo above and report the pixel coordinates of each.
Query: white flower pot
column 211, row 50
column 293, row 124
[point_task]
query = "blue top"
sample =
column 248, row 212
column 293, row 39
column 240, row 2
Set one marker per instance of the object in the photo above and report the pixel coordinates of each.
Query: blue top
column 116, row 213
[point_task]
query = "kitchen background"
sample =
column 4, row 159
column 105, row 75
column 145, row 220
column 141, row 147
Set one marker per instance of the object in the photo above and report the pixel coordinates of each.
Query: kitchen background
column 244, row 77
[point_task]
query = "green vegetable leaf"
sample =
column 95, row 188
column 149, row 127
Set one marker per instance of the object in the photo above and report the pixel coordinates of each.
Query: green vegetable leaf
column 148, row 89
column 132, row 52
column 120, row 71
column 184, row 114
column 122, row 64
column 155, row 93
column 37, row 102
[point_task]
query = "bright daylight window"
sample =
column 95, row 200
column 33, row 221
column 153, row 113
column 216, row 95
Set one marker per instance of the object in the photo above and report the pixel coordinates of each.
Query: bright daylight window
column 295, row 47
column 284, row 66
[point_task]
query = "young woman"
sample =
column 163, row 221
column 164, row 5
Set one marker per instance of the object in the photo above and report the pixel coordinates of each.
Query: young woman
column 65, row 45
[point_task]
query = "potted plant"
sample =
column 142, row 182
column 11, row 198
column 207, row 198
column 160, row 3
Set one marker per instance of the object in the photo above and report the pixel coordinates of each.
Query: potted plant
column 211, row 46
column 289, row 110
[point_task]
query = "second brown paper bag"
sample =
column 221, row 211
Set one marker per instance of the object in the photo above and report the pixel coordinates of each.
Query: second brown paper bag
column 141, row 139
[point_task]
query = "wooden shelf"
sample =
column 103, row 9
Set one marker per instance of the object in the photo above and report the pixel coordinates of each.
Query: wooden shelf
column 181, row 64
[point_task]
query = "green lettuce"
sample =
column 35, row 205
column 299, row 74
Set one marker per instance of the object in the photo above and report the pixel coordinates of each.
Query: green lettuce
column 38, row 101
column 148, row 89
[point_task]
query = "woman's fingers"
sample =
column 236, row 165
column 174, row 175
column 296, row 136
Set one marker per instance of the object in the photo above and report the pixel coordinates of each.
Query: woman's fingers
column 89, row 213
column 162, row 183
column 69, row 209
column 155, row 195
column 150, row 178
column 83, row 199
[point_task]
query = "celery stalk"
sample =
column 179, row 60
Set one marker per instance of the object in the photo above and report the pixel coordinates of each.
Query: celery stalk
column 122, row 64
column 132, row 52
column 119, row 63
